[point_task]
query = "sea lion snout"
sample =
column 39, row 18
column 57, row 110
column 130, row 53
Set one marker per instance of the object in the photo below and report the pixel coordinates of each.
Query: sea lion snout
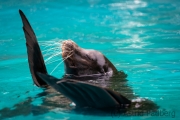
column 68, row 46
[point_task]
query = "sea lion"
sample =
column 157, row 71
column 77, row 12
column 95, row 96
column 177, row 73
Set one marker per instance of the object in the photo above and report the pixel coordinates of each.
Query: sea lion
column 81, row 65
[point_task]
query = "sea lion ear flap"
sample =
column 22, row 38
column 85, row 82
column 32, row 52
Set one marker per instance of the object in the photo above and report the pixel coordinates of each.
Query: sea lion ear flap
column 35, row 58
column 86, row 95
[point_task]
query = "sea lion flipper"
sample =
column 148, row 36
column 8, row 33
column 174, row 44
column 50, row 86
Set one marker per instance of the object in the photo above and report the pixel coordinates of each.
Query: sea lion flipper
column 35, row 58
column 85, row 94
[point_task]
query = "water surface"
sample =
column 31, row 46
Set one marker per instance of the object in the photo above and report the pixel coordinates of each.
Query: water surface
column 140, row 37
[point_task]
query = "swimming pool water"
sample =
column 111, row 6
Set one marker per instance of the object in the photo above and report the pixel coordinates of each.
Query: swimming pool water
column 140, row 37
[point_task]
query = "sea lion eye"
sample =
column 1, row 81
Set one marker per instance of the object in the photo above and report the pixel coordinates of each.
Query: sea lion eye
column 102, row 70
column 89, row 57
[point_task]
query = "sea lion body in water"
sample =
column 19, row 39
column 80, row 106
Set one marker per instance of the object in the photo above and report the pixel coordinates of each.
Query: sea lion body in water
column 80, row 65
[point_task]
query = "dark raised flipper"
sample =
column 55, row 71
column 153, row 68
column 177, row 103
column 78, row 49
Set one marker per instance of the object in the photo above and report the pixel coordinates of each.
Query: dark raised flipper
column 35, row 58
column 86, row 95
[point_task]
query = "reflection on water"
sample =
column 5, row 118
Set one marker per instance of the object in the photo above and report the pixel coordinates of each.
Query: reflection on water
column 52, row 100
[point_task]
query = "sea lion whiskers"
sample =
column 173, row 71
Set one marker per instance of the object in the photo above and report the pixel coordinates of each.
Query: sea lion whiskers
column 69, row 55
column 51, row 52
column 53, row 61
column 49, row 47
column 52, row 56
column 52, row 44
column 52, row 48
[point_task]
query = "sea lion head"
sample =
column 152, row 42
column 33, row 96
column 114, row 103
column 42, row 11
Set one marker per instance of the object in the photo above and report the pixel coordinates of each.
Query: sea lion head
column 80, row 62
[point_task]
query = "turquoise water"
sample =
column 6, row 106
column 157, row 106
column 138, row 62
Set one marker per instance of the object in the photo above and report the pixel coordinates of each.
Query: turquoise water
column 140, row 37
